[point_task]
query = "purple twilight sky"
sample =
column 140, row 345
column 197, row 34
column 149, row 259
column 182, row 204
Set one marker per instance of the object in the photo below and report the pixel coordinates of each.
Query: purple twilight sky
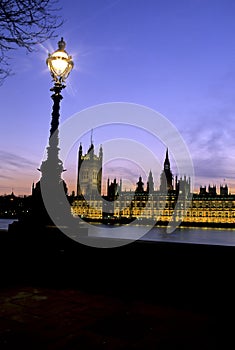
column 176, row 57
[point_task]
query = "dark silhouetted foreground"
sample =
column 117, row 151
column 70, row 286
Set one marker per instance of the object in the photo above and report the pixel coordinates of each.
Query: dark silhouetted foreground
column 58, row 294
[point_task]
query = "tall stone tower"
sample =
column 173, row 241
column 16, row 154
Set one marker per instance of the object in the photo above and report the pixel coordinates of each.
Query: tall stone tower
column 166, row 180
column 89, row 174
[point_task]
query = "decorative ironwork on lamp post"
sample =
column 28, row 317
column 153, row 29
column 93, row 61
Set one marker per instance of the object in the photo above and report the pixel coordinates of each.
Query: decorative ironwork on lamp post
column 60, row 65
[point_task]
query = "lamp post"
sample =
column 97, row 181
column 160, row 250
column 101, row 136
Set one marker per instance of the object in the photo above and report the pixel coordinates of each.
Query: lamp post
column 60, row 65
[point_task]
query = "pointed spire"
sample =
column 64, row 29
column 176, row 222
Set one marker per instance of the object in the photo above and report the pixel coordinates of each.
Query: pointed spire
column 91, row 148
column 167, row 155
column 150, row 183
column 91, row 136
column 120, row 186
column 167, row 162
column 101, row 152
column 150, row 175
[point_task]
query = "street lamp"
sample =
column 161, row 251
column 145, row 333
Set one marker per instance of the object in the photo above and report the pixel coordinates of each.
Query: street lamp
column 60, row 63
column 51, row 184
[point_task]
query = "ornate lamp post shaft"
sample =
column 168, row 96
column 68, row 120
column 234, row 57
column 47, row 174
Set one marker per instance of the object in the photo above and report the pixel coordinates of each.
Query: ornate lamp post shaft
column 51, row 183
column 53, row 163
column 56, row 97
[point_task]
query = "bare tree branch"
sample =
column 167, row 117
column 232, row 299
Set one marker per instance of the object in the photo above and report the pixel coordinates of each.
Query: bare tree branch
column 25, row 23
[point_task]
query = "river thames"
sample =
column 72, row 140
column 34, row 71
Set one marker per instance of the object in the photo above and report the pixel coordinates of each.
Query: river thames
column 211, row 236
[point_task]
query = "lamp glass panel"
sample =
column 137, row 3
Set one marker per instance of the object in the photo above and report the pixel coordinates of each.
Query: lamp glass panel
column 59, row 62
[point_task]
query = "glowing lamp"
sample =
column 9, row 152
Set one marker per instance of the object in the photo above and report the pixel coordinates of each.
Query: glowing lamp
column 60, row 63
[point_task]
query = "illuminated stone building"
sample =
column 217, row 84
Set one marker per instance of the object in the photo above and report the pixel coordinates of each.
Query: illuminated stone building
column 91, row 208
column 172, row 201
column 89, row 175
column 211, row 208
column 88, row 202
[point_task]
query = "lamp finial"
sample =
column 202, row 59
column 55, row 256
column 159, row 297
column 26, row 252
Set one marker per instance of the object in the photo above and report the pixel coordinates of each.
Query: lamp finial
column 61, row 44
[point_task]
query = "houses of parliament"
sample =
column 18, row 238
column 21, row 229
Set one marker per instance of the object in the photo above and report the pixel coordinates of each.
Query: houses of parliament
column 173, row 200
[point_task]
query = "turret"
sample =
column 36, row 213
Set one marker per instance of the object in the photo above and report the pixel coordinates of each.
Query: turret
column 101, row 153
column 150, row 183
column 140, row 186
